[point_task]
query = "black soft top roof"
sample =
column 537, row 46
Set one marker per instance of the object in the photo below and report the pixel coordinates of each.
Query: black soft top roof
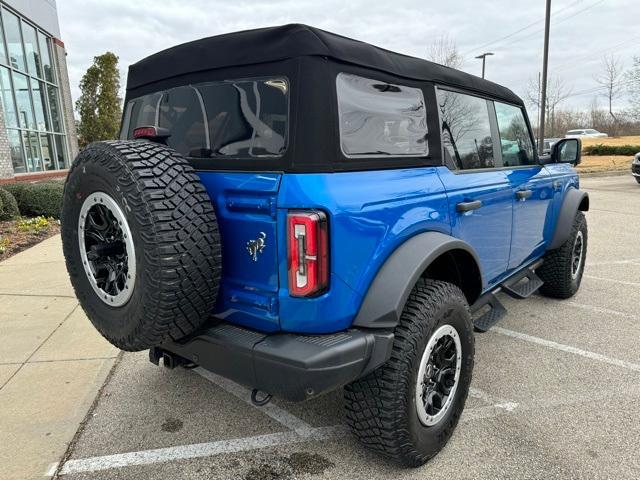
column 295, row 40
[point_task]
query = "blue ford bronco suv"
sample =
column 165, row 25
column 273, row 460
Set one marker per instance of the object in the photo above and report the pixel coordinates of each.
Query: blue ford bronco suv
column 300, row 212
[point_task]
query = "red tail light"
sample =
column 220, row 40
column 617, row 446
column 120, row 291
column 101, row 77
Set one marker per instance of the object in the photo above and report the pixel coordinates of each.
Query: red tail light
column 151, row 133
column 308, row 251
column 142, row 132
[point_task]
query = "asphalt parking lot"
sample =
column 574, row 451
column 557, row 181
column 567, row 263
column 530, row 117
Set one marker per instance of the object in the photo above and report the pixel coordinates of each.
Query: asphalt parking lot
column 555, row 394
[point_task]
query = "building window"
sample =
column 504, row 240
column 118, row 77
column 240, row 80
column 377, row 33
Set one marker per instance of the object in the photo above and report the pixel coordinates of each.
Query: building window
column 30, row 97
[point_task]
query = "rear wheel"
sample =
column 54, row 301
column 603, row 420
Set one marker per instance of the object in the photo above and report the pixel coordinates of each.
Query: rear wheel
column 408, row 408
column 563, row 267
column 141, row 243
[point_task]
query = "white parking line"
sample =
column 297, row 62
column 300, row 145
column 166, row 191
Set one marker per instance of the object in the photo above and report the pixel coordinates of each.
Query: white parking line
column 198, row 450
column 614, row 262
column 606, row 311
column 567, row 348
column 278, row 414
column 613, row 280
column 494, row 401
column 301, row 431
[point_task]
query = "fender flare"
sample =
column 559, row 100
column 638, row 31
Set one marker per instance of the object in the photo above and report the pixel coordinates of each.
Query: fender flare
column 390, row 289
column 574, row 200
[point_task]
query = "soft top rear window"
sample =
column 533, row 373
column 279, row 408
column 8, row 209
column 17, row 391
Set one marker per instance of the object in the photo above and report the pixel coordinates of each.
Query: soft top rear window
column 245, row 118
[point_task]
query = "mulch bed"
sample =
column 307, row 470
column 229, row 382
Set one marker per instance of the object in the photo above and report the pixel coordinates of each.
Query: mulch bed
column 19, row 241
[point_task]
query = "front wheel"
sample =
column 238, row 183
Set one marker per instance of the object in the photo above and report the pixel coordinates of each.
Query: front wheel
column 563, row 267
column 408, row 408
column 637, row 179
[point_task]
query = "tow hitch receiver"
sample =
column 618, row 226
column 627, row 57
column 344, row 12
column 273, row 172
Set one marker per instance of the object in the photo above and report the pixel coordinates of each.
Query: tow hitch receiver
column 169, row 360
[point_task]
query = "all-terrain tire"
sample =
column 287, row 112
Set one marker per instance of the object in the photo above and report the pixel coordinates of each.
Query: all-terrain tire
column 381, row 407
column 174, row 233
column 560, row 280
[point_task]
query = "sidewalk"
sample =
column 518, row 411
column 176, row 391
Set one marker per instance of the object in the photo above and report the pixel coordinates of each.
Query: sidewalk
column 52, row 361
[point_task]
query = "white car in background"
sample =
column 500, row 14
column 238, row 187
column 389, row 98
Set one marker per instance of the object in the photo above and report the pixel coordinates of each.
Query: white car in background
column 584, row 132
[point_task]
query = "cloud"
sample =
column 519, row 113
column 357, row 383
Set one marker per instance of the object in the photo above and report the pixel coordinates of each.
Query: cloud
column 582, row 31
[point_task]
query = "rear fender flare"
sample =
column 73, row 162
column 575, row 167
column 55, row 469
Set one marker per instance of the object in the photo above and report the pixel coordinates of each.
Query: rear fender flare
column 389, row 291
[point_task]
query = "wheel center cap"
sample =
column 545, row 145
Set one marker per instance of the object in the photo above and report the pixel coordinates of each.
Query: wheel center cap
column 428, row 372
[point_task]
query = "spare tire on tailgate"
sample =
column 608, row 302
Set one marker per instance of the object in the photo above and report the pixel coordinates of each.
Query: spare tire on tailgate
column 141, row 242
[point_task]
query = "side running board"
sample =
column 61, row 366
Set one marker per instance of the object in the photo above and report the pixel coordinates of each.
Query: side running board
column 488, row 310
column 492, row 311
column 523, row 284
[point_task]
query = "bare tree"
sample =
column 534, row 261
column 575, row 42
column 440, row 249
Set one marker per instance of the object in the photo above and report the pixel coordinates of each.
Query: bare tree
column 445, row 52
column 557, row 92
column 598, row 117
column 609, row 79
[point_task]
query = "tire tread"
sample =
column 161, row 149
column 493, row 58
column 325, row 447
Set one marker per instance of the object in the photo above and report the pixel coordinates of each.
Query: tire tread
column 374, row 404
column 555, row 272
column 180, row 239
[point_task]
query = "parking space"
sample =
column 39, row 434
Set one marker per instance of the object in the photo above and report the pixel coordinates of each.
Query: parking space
column 555, row 393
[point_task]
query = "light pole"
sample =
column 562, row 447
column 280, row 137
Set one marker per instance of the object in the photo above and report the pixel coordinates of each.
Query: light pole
column 545, row 62
column 484, row 56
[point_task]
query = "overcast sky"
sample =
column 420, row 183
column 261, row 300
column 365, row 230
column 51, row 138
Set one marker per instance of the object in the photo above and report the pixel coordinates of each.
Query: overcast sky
column 582, row 31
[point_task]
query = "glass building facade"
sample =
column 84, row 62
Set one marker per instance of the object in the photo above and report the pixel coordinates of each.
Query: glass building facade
column 30, row 96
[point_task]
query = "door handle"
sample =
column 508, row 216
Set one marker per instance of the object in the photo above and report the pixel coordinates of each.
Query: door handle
column 524, row 194
column 468, row 206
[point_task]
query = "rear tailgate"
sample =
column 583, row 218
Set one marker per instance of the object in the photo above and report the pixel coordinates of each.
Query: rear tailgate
column 245, row 204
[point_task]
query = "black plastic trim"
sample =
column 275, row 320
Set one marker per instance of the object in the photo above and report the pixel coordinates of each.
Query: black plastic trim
column 293, row 367
column 572, row 201
column 388, row 293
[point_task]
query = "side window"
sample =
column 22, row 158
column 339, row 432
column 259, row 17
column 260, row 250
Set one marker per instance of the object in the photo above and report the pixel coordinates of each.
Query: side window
column 380, row 119
column 515, row 140
column 466, row 131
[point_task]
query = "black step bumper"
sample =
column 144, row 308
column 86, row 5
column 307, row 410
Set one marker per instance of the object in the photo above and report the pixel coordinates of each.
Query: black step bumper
column 293, row 367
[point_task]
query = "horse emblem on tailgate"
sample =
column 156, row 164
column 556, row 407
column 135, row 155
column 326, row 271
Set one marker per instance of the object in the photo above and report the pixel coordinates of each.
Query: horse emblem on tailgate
column 254, row 247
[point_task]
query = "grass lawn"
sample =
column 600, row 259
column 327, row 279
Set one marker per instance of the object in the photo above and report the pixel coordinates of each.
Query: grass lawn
column 603, row 163
column 616, row 141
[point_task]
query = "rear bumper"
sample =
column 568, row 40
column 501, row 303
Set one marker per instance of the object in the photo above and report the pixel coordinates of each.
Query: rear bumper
column 293, row 367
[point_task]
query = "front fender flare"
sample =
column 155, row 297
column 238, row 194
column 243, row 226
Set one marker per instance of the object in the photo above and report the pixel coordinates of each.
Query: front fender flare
column 389, row 291
column 574, row 200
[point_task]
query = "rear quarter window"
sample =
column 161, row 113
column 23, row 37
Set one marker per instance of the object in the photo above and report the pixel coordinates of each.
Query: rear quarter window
column 380, row 119
column 239, row 118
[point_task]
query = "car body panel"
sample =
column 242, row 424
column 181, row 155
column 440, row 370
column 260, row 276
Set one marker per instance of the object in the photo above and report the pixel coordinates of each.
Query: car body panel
column 245, row 206
column 488, row 229
column 585, row 132
column 364, row 230
column 533, row 216
column 635, row 167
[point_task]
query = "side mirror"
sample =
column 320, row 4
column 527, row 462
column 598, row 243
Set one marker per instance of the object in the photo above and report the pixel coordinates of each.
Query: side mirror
column 567, row 150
